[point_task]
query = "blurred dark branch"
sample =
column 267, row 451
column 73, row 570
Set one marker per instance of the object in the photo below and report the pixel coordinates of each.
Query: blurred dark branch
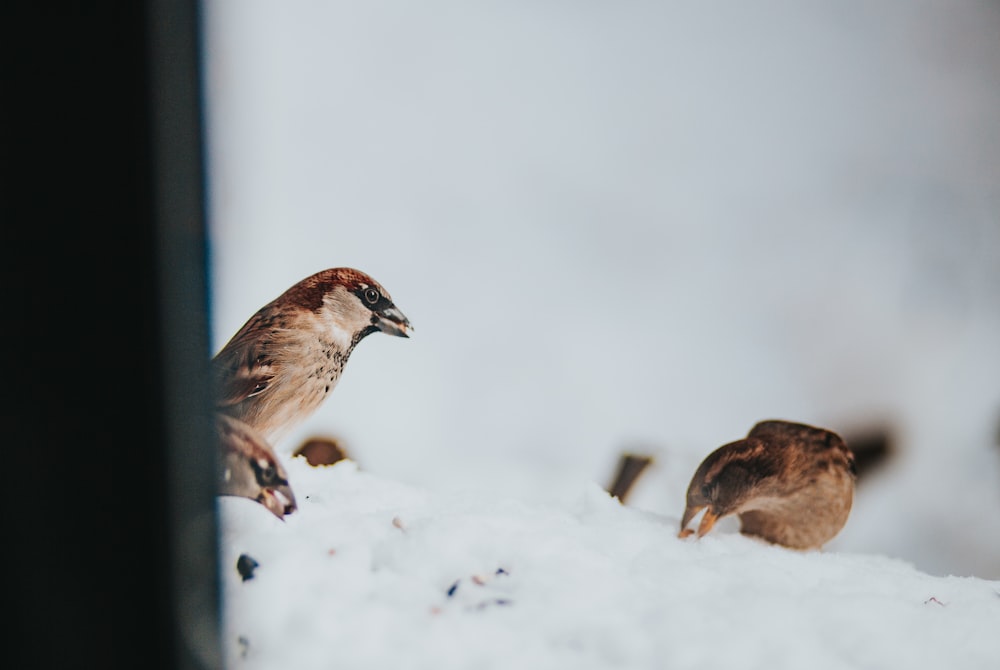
column 873, row 448
column 630, row 466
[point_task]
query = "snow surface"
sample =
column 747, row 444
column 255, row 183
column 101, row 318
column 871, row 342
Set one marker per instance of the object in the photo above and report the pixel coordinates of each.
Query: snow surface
column 641, row 225
column 372, row 573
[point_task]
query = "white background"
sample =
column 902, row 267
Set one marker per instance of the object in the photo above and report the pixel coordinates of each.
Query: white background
column 640, row 225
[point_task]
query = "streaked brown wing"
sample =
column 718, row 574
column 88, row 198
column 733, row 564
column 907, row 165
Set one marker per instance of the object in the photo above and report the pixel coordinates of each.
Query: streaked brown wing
column 243, row 368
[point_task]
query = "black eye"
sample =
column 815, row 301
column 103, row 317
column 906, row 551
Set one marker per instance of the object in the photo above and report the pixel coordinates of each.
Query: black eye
column 266, row 472
column 372, row 296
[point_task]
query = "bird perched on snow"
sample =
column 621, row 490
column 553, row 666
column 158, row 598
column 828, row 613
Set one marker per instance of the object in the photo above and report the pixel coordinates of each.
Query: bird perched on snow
column 790, row 484
column 289, row 356
column 249, row 468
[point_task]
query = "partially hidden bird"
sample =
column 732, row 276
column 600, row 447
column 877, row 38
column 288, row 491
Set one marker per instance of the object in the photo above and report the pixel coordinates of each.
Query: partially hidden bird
column 287, row 358
column 791, row 484
column 249, row 467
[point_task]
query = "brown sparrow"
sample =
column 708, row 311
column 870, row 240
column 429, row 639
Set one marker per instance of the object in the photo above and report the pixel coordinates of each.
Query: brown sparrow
column 790, row 483
column 288, row 356
column 249, row 467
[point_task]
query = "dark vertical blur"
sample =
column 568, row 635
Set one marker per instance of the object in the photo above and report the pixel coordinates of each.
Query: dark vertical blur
column 179, row 210
column 109, row 539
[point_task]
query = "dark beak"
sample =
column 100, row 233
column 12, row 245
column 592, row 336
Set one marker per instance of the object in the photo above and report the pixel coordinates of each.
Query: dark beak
column 279, row 500
column 392, row 322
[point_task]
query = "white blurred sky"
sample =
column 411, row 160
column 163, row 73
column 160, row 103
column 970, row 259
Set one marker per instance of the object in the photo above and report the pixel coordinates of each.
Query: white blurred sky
column 626, row 224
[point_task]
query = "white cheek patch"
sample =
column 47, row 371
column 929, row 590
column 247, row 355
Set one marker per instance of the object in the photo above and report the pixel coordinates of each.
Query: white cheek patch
column 342, row 316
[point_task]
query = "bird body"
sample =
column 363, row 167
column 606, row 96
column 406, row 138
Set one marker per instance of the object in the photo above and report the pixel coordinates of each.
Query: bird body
column 790, row 484
column 288, row 357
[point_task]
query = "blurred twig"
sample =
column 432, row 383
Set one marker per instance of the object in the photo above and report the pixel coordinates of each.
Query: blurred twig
column 630, row 466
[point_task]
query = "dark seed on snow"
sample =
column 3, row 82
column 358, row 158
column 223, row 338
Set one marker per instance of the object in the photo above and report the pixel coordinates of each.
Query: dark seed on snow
column 245, row 566
column 486, row 603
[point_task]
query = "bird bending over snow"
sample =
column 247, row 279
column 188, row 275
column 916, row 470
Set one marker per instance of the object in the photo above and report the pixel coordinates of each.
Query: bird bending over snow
column 250, row 469
column 790, row 484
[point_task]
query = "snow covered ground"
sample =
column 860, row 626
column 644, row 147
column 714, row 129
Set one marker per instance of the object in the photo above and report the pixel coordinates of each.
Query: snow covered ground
column 618, row 226
column 371, row 573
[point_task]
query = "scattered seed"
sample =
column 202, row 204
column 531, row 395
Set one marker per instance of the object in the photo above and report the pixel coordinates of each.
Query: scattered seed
column 487, row 603
column 245, row 565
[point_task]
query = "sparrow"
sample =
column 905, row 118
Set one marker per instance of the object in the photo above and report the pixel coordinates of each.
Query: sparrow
column 791, row 484
column 249, row 467
column 287, row 358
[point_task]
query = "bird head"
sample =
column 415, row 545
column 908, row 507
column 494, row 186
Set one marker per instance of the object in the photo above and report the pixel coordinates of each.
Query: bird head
column 725, row 480
column 351, row 302
column 250, row 469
